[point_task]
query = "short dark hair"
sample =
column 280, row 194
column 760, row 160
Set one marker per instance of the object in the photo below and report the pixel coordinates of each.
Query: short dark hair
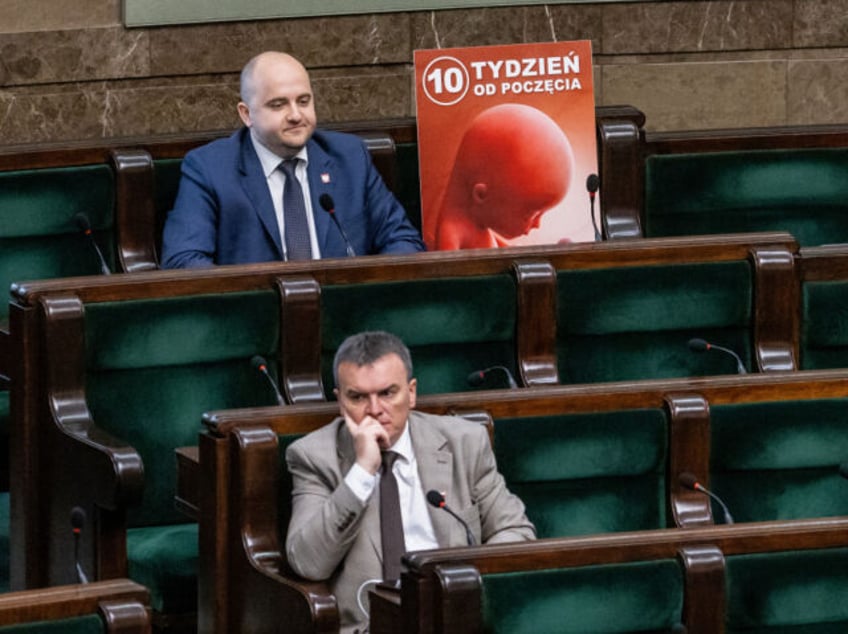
column 365, row 348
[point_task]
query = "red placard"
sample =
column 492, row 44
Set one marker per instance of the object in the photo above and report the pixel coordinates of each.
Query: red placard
column 506, row 142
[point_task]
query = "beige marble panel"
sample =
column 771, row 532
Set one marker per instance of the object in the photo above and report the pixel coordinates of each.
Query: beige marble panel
column 821, row 23
column 504, row 25
column 318, row 42
column 20, row 16
column 659, row 27
column 72, row 55
column 818, row 91
column 707, row 95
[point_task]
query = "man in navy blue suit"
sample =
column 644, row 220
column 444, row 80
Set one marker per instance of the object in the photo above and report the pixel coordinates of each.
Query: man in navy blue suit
column 230, row 204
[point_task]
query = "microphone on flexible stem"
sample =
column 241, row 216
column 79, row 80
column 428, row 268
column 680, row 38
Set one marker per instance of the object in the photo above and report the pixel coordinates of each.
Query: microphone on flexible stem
column 699, row 345
column 84, row 225
column 438, row 500
column 689, row 481
column 478, row 377
column 77, row 523
column 593, row 183
column 258, row 362
column 329, row 206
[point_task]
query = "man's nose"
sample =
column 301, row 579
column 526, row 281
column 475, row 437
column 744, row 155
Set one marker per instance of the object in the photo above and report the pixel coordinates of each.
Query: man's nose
column 373, row 405
column 294, row 112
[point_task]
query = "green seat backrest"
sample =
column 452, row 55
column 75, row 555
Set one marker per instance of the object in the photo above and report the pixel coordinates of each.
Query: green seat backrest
column 155, row 366
column 452, row 326
column 87, row 624
column 780, row 460
column 633, row 323
column 604, row 599
column 166, row 174
column 803, row 191
column 408, row 182
column 39, row 237
column 824, row 328
column 580, row 473
column 801, row 592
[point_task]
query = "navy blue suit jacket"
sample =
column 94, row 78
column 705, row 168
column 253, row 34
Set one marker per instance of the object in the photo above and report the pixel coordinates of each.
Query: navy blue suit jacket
column 223, row 213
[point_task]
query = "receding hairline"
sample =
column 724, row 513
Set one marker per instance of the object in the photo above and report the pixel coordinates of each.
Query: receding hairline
column 248, row 72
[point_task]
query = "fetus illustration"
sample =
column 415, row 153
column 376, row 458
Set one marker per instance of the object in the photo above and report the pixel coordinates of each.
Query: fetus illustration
column 514, row 163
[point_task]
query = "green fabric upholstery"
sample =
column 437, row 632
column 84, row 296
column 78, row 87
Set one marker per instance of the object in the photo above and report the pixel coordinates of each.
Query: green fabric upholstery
column 578, row 474
column 164, row 558
column 4, row 542
column 88, row 624
column 153, row 367
column 791, row 592
column 633, row 323
column 38, row 235
column 166, row 174
column 408, row 182
column 607, row 599
column 804, row 192
column 824, row 329
column 780, row 460
column 452, row 326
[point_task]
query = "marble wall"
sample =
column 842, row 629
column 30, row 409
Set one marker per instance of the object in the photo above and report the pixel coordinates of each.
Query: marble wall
column 70, row 71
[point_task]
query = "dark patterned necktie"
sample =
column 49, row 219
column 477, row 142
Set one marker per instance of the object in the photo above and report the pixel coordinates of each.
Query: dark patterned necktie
column 391, row 524
column 298, row 245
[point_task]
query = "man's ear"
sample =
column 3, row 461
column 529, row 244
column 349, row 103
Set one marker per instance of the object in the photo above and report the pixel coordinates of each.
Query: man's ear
column 244, row 113
column 413, row 391
column 479, row 193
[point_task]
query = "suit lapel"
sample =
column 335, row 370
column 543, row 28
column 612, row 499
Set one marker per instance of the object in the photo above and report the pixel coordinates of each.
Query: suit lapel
column 435, row 468
column 256, row 188
column 321, row 175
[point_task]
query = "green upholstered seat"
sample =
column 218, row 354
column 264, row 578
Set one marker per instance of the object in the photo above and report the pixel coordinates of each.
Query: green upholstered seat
column 87, row 624
column 39, row 237
column 153, row 367
column 792, row 592
column 780, row 460
column 578, row 474
column 802, row 191
column 603, row 599
column 633, row 323
column 451, row 326
column 824, row 328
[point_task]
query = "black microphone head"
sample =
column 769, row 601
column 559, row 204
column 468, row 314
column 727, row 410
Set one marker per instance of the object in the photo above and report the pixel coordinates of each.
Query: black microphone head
column 435, row 498
column 327, row 203
column 476, row 378
column 258, row 362
column 77, row 518
column 688, row 480
column 698, row 345
column 82, row 221
column 593, row 182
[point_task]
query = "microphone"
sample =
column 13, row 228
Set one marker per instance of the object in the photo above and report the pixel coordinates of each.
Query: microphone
column 438, row 500
column 478, row 377
column 329, row 206
column 259, row 364
column 84, row 225
column 699, row 345
column 77, row 523
column 593, row 183
column 689, row 481
column 843, row 470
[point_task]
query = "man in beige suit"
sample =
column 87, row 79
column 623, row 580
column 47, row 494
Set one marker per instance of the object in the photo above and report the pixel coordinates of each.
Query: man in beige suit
column 335, row 530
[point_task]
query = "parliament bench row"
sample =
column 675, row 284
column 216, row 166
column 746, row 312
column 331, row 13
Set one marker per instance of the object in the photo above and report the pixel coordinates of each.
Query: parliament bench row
column 121, row 367
column 586, row 460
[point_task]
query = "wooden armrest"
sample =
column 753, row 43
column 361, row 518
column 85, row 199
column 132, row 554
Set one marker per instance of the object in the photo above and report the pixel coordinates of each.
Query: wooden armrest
column 135, row 210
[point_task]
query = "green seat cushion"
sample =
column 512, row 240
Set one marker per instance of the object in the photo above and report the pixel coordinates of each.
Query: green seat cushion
column 578, row 474
column 824, row 328
column 780, row 460
column 164, row 559
column 634, row 323
column 38, row 235
column 87, row 624
column 792, row 591
column 606, row 599
column 452, row 326
column 802, row 191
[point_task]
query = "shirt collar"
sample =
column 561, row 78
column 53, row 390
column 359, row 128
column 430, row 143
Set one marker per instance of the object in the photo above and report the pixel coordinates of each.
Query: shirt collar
column 403, row 446
column 270, row 161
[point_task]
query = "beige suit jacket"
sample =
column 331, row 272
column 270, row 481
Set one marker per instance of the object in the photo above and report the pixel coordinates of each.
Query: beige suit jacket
column 334, row 536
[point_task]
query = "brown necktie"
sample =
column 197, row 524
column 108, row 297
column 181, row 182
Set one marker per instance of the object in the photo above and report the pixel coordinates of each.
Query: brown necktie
column 391, row 524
